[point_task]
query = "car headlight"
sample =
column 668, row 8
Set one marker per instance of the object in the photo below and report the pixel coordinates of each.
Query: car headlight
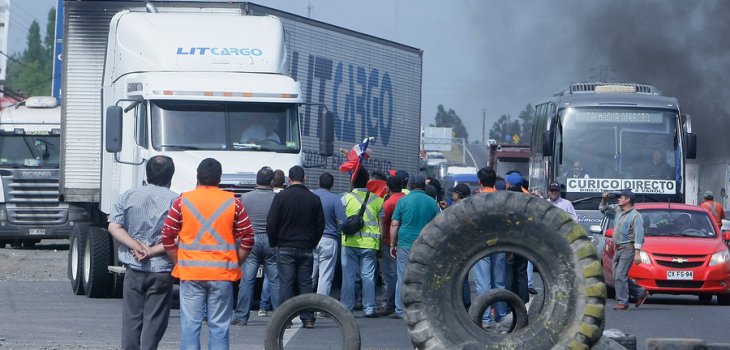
column 720, row 257
column 645, row 257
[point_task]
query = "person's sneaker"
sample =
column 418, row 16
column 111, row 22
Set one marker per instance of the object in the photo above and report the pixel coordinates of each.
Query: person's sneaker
column 641, row 299
column 358, row 306
column 532, row 290
column 620, row 307
column 308, row 324
column 263, row 313
column 237, row 322
column 385, row 311
column 372, row 315
column 394, row 316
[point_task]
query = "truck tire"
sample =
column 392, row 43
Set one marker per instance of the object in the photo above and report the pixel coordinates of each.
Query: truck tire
column 480, row 305
column 316, row 302
column 97, row 258
column 723, row 299
column 573, row 311
column 76, row 245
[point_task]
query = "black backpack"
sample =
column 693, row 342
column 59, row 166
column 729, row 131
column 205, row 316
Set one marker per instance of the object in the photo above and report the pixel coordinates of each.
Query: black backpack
column 355, row 223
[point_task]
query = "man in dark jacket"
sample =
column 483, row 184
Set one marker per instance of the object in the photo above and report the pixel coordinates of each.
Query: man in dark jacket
column 295, row 225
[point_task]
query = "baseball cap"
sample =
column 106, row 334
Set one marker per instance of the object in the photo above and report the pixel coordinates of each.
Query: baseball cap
column 554, row 186
column 462, row 189
column 708, row 195
column 514, row 179
column 627, row 193
column 417, row 179
column 403, row 175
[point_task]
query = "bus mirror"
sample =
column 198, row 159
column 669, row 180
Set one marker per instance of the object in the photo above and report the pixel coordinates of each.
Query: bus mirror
column 691, row 143
column 326, row 133
column 547, row 143
column 114, row 129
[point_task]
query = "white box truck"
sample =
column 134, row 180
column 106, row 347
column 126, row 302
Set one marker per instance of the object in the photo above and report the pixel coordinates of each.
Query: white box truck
column 30, row 209
column 188, row 79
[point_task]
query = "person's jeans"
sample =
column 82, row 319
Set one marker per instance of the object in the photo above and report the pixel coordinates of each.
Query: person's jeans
column 358, row 261
column 260, row 254
column 488, row 273
column 622, row 260
column 146, row 308
column 530, row 269
column 295, row 266
column 390, row 276
column 195, row 296
column 265, row 303
column 323, row 268
column 519, row 277
column 401, row 260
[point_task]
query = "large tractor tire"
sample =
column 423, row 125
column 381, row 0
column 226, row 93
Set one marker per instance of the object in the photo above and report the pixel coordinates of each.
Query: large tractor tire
column 97, row 258
column 315, row 302
column 77, row 243
column 573, row 309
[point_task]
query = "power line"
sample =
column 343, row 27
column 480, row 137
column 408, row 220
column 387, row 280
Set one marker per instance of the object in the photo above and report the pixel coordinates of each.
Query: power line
column 21, row 63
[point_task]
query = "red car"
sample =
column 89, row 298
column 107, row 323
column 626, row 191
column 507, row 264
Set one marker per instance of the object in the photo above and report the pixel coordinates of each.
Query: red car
column 684, row 252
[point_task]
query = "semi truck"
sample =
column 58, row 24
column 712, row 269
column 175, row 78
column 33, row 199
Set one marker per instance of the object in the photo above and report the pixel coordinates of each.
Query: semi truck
column 30, row 210
column 505, row 157
column 188, row 79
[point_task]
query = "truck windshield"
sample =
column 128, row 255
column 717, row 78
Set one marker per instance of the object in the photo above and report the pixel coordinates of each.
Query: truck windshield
column 186, row 125
column 607, row 149
column 29, row 151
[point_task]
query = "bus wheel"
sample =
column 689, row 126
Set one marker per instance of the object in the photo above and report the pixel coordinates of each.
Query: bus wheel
column 573, row 308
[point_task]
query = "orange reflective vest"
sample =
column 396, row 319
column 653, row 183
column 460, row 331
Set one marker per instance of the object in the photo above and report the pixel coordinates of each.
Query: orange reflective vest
column 715, row 209
column 207, row 246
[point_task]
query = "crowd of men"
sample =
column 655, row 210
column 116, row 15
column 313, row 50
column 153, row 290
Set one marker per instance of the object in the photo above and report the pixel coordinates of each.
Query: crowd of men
column 209, row 239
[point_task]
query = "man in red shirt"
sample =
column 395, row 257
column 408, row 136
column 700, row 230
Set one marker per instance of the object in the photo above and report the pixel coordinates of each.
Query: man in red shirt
column 387, row 263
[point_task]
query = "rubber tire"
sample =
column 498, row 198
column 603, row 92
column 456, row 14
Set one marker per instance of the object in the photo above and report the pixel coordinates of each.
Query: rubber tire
column 99, row 244
column 480, row 305
column 536, row 305
column 575, row 295
column 705, row 299
column 77, row 242
column 316, row 302
column 723, row 299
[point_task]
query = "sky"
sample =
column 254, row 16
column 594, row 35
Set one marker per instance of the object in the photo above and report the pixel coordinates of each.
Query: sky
column 494, row 57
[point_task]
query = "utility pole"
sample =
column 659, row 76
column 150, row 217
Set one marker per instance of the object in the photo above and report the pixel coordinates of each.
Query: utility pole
column 484, row 126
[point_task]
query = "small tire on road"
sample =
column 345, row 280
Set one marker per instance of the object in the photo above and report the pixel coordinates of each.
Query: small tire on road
column 314, row 302
column 513, row 301
column 574, row 304
column 723, row 299
column 97, row 258
column 77, row 243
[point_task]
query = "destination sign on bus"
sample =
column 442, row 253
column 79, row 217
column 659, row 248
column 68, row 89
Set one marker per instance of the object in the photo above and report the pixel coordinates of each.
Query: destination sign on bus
column 636, row 185
column 618, row 117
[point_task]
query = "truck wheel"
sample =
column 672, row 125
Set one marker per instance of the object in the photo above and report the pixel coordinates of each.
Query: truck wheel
column 573, row 309
column 513, row 301
column 97, row 257
column 723, row 299
column 77, row 242
column 315, row 302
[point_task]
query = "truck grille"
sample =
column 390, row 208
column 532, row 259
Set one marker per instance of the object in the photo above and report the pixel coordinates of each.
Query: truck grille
column 33, row 201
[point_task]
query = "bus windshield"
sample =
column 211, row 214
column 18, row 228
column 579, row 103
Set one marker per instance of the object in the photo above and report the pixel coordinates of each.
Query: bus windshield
column 611, row 148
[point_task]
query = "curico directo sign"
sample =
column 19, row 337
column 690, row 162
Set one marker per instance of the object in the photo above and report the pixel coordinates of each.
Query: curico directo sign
column 219, row 51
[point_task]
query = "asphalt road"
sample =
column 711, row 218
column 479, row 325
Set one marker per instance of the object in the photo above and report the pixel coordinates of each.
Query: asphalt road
column 39, row 311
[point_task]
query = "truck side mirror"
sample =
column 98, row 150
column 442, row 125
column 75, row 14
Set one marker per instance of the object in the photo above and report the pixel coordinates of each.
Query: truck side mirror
column 326, row 133
column 547, row 143
column 691, row 143
column 113, row 129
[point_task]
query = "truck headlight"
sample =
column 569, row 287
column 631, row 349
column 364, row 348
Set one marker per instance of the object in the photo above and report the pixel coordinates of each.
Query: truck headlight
column 720, row 257
column 644, row 257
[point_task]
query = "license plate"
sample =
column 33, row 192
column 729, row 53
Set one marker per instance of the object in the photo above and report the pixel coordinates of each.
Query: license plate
column 260, row 272
column 680, row 275
column 37, row 231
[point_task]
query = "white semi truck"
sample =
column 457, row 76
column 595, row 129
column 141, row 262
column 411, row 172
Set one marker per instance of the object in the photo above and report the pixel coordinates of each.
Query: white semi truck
column 191, row 79
column 30, row 209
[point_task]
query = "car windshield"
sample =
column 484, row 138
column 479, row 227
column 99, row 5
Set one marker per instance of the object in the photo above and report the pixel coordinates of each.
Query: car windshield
column 185, row 125
column 676, row 223
column 29, row 150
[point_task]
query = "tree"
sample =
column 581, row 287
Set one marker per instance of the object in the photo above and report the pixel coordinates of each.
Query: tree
column 449, row 119
column 30, row 73
column 505, row 128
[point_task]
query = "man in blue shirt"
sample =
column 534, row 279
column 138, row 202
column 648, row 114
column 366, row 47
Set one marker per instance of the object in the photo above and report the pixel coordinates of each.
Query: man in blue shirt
column 325, row 254
column 412, row 213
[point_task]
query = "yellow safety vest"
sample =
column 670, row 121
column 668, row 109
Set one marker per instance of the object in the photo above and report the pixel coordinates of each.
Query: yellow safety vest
column 369, row 236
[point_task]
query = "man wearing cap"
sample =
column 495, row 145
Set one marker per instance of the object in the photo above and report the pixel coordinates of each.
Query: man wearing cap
column 460, row 191
column 628, row 236
column 412, row 213
column 715, row 208
column 554, row 198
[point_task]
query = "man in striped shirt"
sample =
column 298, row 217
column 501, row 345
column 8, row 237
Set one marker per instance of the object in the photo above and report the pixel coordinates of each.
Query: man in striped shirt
column 214, row 237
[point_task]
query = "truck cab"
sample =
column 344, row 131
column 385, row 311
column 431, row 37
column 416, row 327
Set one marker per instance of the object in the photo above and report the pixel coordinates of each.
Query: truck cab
column 30, row 209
